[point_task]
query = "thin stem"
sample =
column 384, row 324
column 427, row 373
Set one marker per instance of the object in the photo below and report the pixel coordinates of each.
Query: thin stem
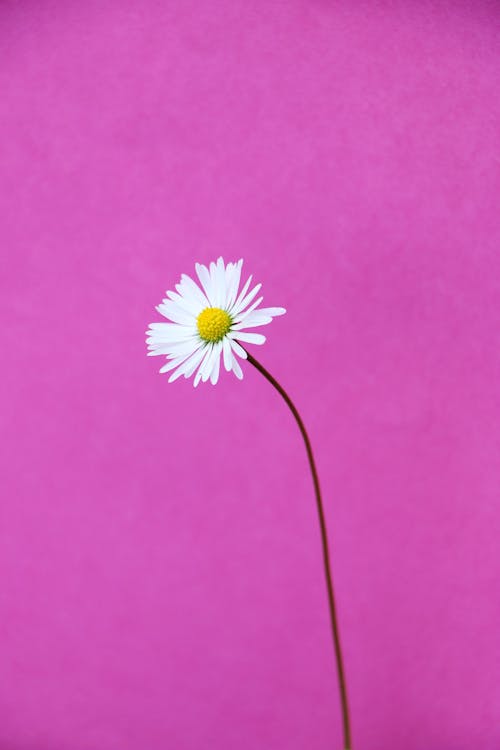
column 326, row 551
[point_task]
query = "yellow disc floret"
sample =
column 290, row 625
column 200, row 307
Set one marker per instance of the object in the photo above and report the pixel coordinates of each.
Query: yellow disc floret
column 213, row 324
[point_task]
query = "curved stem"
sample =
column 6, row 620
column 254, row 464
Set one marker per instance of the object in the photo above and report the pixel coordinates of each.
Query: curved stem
column 326, row 551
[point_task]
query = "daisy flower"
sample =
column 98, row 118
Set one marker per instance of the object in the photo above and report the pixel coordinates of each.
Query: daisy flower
column 207, row 322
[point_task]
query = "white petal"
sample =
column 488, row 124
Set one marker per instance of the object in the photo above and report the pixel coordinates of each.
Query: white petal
column 250, row 338
column 230, row 271
column 186, row 367
column 215, row 360
column 237, row 349
column 173, row 312
column 182, row 347
column 239, row 307
column 172, row 349
column 228, row 277
column 164, row 343
column 237, row 369
column 165, row 327
column 206, row 357
column 217, row 278
column 192, row 287
column 164, row 338
column 272, row 311
column 177, row 373
column 206, row 282
column 243, row 315
column 185, row 302
column 255, row 315
column 253, row 321
column 241, row 295
column 170, row 365
column 228, row 359
column 233, row 284
column 214, row 375
column 213, row 282
column 221, row 283
column 208, row 365
column 194, row 361
column 173, row 363
column 173, row 337
column 162, row 332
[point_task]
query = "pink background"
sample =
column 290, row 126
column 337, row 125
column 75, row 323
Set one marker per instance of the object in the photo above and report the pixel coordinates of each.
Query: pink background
column 161, row 581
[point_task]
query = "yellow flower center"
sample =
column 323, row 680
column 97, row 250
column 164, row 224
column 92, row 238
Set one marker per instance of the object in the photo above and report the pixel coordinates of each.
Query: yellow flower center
column 213, row 324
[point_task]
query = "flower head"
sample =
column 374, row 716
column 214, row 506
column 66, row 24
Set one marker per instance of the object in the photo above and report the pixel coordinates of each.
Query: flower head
column 207, row 321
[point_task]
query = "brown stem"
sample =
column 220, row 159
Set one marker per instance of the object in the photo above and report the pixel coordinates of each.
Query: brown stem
column 326, row 551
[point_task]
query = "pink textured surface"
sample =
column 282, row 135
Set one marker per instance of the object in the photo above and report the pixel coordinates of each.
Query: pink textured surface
column 159, row 550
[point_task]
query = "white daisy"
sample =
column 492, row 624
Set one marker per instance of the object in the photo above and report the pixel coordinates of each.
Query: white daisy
column 208, row 321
